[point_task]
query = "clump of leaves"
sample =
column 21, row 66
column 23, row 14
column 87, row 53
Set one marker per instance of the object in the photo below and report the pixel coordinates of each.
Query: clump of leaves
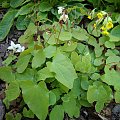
column 22, row 12
column 64, row 67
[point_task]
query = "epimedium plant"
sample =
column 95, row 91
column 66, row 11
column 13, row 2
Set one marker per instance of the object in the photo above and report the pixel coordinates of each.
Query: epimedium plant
column 22, row 12
column 64, row 66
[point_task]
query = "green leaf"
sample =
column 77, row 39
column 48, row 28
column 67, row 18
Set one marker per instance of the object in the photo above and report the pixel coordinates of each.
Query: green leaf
column 65, row 36
column 37, row 101
column 82, row 49
column 16, row 3
column 92, row 41
column 98, row 50
column 109, row 44
column 85, row 103
column 5, row 72
column 5, row 4
column 44, row 73
column 38, row 59
column 57, row 113
column 28, row 113
column 84, row 65
column 57, row 93
column 22, row 22
column 75, row 58
column 10, row 116
column 18, row 116
column 103, row 39
column 109, row 53
column 50, row 39
column 26, row 9
column 96, row 93
column 115, row 33
column 65, row 72
column 113, row 60
column 45, row 6
column 99, row 92
column 111, row 77
column 28, row 34
column 99, row 61
column 52, row 98
column 7, row 23
column 117, row 96
column 28, row 74
column 42, row 16
column 69, row 47
column 84, row 82
column 50, row 51
column 13, row 91
column 9, row 59
column 75, row 91
column 95, row 76
column 114, row 38
column 69, row 109
column 99, row 106
column 22, row 63
column 79, row 34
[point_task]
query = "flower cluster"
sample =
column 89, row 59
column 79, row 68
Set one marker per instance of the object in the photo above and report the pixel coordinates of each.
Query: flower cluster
column 16, row 48
column 64, row 16
column 102, row 17
column 107, row 25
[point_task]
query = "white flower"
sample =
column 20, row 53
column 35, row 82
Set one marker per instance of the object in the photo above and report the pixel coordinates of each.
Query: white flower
column 19, row 48
column 12, row 47
column 60, row 10
column 16, row 47
column 64, row 17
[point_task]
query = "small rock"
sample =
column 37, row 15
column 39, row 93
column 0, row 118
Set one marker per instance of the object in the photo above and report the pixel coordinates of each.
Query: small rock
column 116, row 113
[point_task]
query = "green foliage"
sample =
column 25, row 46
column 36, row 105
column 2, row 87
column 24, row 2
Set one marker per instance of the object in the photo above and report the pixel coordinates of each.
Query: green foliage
column 68, row 107
column 15, row 4
column 5, row 72
column 37, row 101
column 64, row 70
column 6, row 23
column 100, row 93
column 13, row 91
column 66, row 64
column 28, row 113
column 22, row 63
column 10, row 116
column 57, row 111
column 38, row 59
column 45, row 6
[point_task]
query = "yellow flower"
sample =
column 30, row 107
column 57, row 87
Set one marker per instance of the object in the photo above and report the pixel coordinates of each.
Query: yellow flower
column 100, row 15
column 103, row 28
column 94, row 25
column 109, row 25
column 89, row 17
column 105, row 32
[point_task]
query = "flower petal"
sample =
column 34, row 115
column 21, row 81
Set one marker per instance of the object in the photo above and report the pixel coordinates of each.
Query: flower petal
column 10, row 48
column 12, row 44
